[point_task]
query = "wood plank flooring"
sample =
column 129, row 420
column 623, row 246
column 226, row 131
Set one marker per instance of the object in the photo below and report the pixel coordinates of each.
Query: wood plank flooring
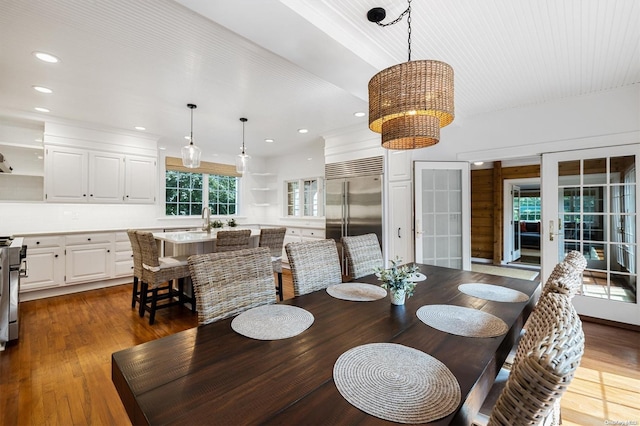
column 59, row 372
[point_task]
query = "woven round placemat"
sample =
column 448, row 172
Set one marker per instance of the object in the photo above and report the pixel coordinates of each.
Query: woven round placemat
column 272, row 322
column 419, row 276
column 492, row 292
column 462, row 321
column 396, row 383
column 357, row 292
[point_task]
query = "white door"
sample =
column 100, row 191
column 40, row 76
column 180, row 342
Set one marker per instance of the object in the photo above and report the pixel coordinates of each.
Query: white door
column 443, row 214
column 590, row 205
column 400, row 233
column 514, row 231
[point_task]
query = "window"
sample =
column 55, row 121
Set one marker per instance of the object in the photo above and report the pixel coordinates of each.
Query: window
column 188, row 190
column 304, row 197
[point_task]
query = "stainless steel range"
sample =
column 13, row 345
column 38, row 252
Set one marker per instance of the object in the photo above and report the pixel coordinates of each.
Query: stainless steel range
column 12, row 253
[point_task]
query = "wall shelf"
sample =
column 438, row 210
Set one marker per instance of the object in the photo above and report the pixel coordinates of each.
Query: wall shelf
column 263, row 174
column 261, row 189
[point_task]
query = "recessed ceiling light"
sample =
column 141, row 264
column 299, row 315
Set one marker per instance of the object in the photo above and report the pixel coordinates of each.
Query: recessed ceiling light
column 162, row 148
column 359, row 114
column 140, row 128
column 309, row 158
column 188, row 137
column 42, row 89
column 478, row 163
column 38, row 139
column 46, row 57
column 42, row 109
column 268, row 140
column 303, row 131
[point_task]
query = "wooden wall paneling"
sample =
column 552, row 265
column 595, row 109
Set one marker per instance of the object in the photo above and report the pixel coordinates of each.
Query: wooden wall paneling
column 497, row 212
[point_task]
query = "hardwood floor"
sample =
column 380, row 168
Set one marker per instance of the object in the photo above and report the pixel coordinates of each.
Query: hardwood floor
column 59, row 371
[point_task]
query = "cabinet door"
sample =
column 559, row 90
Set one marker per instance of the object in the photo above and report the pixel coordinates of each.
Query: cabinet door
column 106, row 177
column 140, row 179
column 45, row 268
column 88, row 262
column 400, row 230
column 66, row 173
column 399, row 165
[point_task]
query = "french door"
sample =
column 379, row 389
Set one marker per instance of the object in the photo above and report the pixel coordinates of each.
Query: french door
column 443, row 214
column 589, row 204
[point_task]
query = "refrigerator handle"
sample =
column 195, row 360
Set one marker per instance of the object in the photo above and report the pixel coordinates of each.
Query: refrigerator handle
column 345, row 207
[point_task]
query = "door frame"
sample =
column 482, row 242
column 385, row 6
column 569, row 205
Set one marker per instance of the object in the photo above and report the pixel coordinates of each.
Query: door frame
column 507, row 214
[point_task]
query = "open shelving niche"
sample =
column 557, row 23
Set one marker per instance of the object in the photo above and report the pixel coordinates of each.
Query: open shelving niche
column 263, row 189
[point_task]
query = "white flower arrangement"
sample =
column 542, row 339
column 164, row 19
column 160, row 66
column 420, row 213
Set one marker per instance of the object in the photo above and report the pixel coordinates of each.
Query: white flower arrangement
column 397, row 277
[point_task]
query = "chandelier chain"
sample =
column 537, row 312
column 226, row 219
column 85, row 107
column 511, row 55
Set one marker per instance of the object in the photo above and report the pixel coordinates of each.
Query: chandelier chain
column 407, row 13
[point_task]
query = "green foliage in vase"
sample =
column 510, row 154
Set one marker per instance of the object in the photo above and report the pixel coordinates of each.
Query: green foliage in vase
column 397, row 277
column 232, row 223
column 217, row 224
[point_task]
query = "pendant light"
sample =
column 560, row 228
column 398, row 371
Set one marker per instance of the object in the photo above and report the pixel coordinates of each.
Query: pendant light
column 411, row 101
column 242, row 160
column 190, row 153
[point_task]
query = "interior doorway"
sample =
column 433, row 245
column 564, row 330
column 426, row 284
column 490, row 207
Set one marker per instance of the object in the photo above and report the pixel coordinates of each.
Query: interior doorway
column 522, row 222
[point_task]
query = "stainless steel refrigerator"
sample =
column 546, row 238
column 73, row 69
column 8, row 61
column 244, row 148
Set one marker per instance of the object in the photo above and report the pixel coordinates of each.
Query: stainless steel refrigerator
column 353, row 201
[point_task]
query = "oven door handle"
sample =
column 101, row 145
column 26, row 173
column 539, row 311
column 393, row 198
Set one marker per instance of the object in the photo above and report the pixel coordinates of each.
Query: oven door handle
column 24, row 269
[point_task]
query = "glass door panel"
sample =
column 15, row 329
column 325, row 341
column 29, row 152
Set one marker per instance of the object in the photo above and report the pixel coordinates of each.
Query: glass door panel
column 443, row 214
column 596, row 214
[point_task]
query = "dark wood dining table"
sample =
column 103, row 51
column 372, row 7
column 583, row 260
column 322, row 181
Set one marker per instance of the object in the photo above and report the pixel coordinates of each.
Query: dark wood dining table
column 212, row 375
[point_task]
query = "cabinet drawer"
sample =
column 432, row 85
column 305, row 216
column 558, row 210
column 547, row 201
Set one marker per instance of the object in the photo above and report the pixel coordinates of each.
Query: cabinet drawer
column 123, row 246
column 42, row 242
column 312, row 233
column 122, row 236
column 293, row 231
column 123, row 255
column 104, row 237
column 124, row 268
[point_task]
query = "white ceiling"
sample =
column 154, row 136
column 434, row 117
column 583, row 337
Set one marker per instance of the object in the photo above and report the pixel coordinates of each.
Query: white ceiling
column 288, row 64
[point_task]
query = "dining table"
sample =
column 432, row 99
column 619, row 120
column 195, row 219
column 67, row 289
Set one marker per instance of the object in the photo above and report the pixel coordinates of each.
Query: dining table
column 212, row 374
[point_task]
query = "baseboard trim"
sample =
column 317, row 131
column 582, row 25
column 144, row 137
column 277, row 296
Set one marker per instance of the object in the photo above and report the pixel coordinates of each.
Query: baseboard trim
column 617, row 324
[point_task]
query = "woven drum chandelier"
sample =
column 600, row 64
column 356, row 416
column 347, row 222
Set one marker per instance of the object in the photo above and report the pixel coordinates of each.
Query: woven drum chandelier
column 410, row 102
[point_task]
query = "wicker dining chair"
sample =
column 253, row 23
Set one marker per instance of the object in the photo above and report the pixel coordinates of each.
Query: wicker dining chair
column 137, row 266
column 232, row 240
column 546, row 360
column 577, row 260
column 273, row 239
column 314, row 265
column 228, row 283
column 155, row 272
column 363, row 254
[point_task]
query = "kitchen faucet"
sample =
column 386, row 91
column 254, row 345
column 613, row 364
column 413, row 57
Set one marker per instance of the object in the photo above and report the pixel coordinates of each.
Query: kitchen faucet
column 207, row 221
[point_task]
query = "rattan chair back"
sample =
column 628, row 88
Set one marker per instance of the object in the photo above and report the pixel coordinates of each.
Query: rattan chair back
column 577, row 260
column 153, row 274
column 314, row 265
column 228, row 283
column 137, row 253
column 273, row 239
column 544, row 368
column 232, row 240
column 363, row 254
column 565, row 279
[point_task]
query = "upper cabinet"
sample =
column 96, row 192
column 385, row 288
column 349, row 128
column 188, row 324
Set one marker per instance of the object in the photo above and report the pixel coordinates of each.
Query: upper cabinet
column 399, row 165
column 75, row 175
column 84, row 165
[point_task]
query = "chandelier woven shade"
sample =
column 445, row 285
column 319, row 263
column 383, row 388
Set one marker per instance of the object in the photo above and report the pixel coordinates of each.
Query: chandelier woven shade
column 410, row 102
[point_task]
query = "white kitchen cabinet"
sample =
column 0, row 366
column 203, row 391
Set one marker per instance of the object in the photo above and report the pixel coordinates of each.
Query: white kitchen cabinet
column 140, row 179
column 300, row 234
column 89, row 257
column 45, row 263
column 399, row 163
column 106, row 177
column 123, row 256
column 400, row 230
column 79, row 176
column 66, row 174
